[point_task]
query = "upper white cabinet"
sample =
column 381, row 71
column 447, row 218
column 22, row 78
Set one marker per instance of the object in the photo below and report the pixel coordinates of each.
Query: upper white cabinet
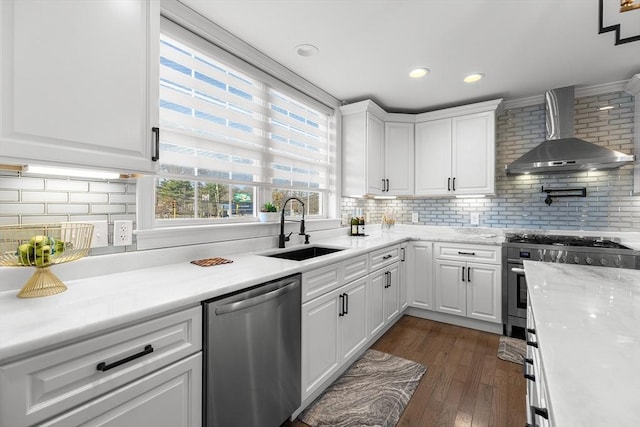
column 79, row 83
column 440, row 153
column 376, row 152
column 398, row 155
column 455, row 151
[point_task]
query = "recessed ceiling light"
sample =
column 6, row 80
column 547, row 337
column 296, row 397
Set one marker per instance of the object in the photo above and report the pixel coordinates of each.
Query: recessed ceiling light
column 306, row 50
column 472, row 78
column 416, row 73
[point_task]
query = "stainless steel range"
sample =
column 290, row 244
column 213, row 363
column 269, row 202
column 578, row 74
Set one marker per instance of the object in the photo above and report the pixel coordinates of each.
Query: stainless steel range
column 592, row 251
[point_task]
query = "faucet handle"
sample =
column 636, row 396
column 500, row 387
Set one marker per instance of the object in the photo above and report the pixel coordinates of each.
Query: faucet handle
column 288, row 237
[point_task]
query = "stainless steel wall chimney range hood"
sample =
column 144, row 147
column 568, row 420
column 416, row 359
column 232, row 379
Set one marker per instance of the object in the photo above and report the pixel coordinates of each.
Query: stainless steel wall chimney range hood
column 562, row 152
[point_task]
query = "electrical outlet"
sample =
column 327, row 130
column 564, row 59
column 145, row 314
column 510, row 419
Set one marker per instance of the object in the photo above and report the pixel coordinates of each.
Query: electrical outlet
column 122, row 232
column 475, row 218
column 414, row 217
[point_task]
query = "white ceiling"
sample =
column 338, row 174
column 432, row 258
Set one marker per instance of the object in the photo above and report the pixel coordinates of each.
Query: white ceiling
column 366, row 48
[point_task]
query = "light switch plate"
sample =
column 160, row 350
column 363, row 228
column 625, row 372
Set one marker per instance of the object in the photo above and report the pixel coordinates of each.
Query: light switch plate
column 100, row 236
column 475, row 218
column 414, row 217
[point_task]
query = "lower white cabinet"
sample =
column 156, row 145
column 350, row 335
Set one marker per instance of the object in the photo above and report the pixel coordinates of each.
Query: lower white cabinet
column 170, row 397
column 420, row 275
column 149, row 369
column 334, row 327
column 405, row 267
column 384, row 297
column 470, row 289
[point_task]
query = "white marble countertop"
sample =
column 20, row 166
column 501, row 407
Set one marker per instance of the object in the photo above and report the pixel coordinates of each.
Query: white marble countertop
column 588, row 330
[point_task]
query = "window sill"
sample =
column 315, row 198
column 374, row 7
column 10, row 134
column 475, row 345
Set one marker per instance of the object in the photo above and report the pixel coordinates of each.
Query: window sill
column 166, row 237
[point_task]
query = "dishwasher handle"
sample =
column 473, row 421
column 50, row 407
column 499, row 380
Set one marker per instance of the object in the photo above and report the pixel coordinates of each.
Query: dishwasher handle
column 258, row 299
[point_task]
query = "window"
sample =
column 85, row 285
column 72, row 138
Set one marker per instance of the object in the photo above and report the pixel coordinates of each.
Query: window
column 231, row 142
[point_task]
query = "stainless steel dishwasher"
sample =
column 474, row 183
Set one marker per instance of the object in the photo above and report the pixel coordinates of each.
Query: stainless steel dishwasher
column 252, row 355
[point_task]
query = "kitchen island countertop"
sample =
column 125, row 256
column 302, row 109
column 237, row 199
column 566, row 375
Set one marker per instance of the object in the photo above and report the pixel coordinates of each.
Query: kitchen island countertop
column 588, row 331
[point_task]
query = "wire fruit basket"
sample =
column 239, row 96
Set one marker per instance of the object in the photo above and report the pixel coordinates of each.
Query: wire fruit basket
column 41, row 246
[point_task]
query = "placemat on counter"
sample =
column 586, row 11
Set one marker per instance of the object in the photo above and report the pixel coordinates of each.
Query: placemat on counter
column 208, row 262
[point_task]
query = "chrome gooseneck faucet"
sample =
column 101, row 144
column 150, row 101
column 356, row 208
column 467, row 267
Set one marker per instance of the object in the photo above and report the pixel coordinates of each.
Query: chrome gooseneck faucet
column 282, row 238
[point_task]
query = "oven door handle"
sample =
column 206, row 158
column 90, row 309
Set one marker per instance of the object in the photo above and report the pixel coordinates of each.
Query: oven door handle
column 517, row 270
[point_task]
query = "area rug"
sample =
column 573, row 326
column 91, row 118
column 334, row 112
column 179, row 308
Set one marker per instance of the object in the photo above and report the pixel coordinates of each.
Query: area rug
column 372, row 392
column 512, row 349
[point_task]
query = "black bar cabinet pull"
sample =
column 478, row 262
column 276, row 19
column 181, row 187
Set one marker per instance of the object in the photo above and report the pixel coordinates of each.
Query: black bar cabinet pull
column 102, row 366
column 532, row 343
column 543, row 412
column 454, row 183
column 402, row 258
column 531, row 331
column 463, row 273
column 469, row 274
column 156, row 132
column 346, row 305
column 448, row 184
column 387, row 184
column 341, row 312
column 466, row 253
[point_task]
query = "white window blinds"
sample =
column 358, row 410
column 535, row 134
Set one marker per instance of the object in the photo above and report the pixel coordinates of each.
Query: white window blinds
column 221, row 124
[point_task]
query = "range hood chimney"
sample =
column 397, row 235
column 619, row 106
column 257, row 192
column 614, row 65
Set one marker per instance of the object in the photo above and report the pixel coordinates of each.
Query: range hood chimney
column 562, row 152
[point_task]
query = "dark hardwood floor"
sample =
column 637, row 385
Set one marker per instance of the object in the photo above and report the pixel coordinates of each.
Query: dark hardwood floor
column 465, row 384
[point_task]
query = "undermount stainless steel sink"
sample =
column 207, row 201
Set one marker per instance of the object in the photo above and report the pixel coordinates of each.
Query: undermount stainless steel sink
column 305, row 253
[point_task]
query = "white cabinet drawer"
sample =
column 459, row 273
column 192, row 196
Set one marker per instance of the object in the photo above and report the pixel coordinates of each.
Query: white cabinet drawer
column 319, row 282
column 383, row 257
column 464, row 252
column 170, row 396
column 47, row 384
column 355, row 268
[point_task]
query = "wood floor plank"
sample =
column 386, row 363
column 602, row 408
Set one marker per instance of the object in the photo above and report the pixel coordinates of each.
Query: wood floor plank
column 465, row 384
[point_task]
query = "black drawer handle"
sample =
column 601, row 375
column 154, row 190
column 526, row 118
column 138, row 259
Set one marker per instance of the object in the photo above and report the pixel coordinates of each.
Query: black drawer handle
column 543, row 412
column 531, row 331
column 532, row 344
column 466, row 253
column 102, row 366
column 387, row 256
column 524, row 370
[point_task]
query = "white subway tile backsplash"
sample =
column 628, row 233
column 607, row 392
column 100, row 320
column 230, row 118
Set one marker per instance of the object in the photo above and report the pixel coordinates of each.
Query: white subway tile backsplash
column 22, row 183
column 66, row 185
column 21, row 208
column 9, row 196
column 89, row 197
column 43, row 219
column 101, row 209
column 54, row 208
column 44, row 196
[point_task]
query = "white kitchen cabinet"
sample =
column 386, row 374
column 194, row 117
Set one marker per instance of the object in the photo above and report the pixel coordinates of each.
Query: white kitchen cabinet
column 320, row 345
column 353, row 328
column 384, row 293
column 420, row 277
column 80, row 83
column 398, row 156
column 392, row 293
column 114, row 376
column 455, row 151
column 169, row 397
column 375, row 153
column 334, row 327
column 405, row 265
column 468, row 281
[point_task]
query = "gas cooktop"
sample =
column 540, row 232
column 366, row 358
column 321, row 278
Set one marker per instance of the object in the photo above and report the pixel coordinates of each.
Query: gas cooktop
column 556, row 240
